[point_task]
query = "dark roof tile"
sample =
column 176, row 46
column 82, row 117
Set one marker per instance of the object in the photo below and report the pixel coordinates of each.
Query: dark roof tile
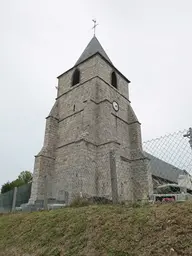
column 93, row 47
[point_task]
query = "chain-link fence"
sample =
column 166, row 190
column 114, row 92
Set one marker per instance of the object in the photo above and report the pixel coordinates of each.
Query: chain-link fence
column 23, row 194
column 173, row 149
column 14, row 198
column 171, row 162
column 6, row 201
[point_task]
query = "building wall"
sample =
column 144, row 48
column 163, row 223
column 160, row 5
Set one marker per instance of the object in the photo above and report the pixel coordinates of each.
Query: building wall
column 104, row 72
column 125, row 181
column 83, row 132
column 43, row 174
column 75, row 169
column 88, row 70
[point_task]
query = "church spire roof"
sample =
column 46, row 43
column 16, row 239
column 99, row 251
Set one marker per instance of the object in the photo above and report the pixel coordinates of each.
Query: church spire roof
column 93, row 47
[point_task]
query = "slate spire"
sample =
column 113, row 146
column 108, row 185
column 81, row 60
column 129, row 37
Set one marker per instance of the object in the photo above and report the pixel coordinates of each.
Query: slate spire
column 93, row 47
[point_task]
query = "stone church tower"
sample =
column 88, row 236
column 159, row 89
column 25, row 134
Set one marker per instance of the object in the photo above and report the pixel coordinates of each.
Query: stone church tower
column 92, row 143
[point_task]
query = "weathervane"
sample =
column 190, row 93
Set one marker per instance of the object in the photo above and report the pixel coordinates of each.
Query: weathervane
column 95, row 25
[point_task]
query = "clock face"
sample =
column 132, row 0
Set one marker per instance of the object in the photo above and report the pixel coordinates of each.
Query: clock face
column 115, row 106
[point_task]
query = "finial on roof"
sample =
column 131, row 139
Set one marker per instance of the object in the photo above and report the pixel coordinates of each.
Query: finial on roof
column 95, row 25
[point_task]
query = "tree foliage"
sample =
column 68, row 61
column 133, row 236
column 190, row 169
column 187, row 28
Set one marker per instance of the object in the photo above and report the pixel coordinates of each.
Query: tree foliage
column 23, row 178
column 6, row 187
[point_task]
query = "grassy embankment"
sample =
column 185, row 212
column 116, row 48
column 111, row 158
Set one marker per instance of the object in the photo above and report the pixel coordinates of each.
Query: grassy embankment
column 99, row 230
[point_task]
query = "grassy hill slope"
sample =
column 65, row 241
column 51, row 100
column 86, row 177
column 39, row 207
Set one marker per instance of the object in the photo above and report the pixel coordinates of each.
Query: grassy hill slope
column 99, row 230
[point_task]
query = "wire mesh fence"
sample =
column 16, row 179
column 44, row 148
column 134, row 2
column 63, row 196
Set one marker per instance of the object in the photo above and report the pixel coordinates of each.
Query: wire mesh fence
column 171, row 162
column 23, row 194
column 8, row 202
column 173, row 149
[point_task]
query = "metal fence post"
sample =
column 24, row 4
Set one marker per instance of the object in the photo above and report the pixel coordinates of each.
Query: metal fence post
column 14, row 199
column 189, row 135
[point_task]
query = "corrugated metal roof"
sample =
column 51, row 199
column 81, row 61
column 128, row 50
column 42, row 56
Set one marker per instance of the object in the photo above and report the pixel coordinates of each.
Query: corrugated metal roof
column 93, row 47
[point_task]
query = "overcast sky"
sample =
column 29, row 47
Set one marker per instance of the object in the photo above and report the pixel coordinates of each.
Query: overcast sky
column 148, row 41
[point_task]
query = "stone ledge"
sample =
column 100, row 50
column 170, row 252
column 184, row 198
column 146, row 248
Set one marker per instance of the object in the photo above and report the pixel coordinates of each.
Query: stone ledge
column 133, row 160
column 52, row 117
column 116, row 90
column 77, row 112
column 125, row 121
column 50, row 157
column 74, row 87
column 86, row 141
column 99, row 102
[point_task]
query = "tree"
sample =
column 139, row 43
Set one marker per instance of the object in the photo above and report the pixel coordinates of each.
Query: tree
column 17, row 183
column 6, row 187
column 23, row 178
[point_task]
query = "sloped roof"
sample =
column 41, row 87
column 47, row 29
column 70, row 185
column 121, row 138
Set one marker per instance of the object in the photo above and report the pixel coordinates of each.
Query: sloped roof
column 162, row 169
column 93, row 47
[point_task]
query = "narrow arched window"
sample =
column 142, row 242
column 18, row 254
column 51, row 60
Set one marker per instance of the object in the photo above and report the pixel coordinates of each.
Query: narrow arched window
column 76, row 77
column 114, row 79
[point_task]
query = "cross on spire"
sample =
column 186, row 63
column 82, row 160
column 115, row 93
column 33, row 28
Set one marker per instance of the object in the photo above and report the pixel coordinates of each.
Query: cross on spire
column 95, row 25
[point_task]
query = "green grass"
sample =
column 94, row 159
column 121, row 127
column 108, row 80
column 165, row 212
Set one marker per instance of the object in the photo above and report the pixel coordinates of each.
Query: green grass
column 102, row 230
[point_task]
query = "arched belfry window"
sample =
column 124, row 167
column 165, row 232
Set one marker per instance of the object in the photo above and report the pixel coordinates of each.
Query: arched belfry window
column 76, row 77
column 114, row 79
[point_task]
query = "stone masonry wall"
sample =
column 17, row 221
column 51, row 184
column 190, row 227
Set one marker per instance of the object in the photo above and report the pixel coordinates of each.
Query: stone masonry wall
column 76, row 169
column 82, row 130
column 88, row 70
column 104, row 71
column 44, row 162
